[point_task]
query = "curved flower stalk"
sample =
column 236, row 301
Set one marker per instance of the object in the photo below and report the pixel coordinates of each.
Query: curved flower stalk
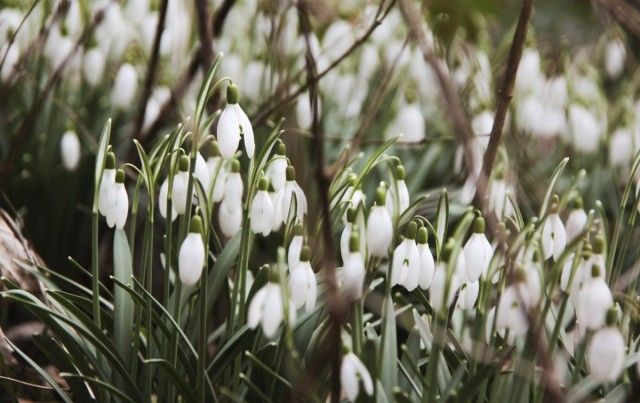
column 191, row 257
column 606, row 351
column 267, row 307
column 302, row 282
column 397, row 200
column 477, row 252
column 554, row 237
column 379, row 226
column 70, row 150
column 261, row 210
column 405, row 266
column 117, row 206
column 352, row 371
column 427, row 264
column 234, row 124
column 290, row 193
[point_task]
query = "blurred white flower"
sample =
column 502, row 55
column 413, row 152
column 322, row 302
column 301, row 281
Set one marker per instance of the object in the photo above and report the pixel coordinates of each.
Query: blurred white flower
column 615, row 54
column 397, row 200
column 468, row 294
column 409, row 122
column 594, row 300
column 554, row 237
column 295, row 246
column 11, row 59
column 290, row 193
column 350, row 227
column 606, row 354
column 621, row 148
column 179, row 195
column 352, row 371
column 261, row 210
column 124, row 86
column 586, row 130
column 267, row 308
column 511, row 313
column 477, row 252
column 576, row 221
column 191, row 257
column 70, row 150
column 93, row 66
column 233, row 187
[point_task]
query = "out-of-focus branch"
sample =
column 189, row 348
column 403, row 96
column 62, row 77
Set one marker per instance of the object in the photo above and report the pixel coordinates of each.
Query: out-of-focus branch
column 206, row 36
column 15, row 33
column 30, row 119
column 152, row 68
column 626, row 14
column 505, row 93
column 277, row 101
column 220, row 16
column 336, row 304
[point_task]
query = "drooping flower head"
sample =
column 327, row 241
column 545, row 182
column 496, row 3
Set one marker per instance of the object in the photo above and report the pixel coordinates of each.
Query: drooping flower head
column 262, row 210
column 70, row 150
column 477, row 252
column 398, row 194
column 267, row 307
column 606, row 351
column 379, row 226
column 427, row 264
column 445, row 282
column 405, row 266
column 353, row 271
column 352, row 371
column 302, row 282
column 180, row 186
column 353, row 215
column 117, row 207
column 554, row 237
column 233, row 125
column 191, row 257
column 277, row 167
column 295, row 246
column 291, row 193
column 577, row 219
column 107, row 182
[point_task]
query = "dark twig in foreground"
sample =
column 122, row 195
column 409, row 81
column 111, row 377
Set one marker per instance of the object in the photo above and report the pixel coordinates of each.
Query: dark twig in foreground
column 206, row 37
column 626, row 13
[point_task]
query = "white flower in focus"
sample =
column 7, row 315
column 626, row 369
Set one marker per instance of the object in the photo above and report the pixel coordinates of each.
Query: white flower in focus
column 398, row 195
column 576, row 221
column 594, row 300
column 230, row 218
column 615, row 54
column 261, row 210
column 289, row 194
column 191, row 257
column 124, row 86
column 427, row 265
column 606, row 352
column 117, row 207
column 353, row 271
column 295, row 246
column 477, row 252
column 379, row 226
column 107, row 183
column 162, row 201
column 352, row 371
column 468, row 294
column 554, row 237
column 277, row 167
column 179, row 195
column 232, row 125
column 233, row 187
column 70, row 150
column 267, row 308
column 405, row 266
column 93, row 66
column 302, row 282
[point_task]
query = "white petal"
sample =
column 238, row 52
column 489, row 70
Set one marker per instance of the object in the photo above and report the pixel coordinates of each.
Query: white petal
column 361, row 370
column 234, row 188
column 605, row 355
column 468, row 295
column 254, row 315
column 353, row 275
column 427, row 266
column 247, row 130
column 228, row 132
column 293, row 254
column 298, row 285
column 575, row 223
column 106, row 184
column 379, row 231
column 202, row 172
column 218, row 176
column 70, row 150
column 276, row 172
column 122, row 206
column 260, row 213
column 348, row 378
column 179, row 192
column 230, row 219
column 272, row 311
column 399, row 255
column 191, row 259
column 312, row 291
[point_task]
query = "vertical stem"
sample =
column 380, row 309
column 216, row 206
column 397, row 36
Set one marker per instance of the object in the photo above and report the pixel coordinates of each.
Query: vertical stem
column 202, row 337
column 95, row 269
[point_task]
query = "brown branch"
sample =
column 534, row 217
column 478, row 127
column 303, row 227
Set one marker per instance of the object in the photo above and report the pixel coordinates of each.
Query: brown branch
column 14, row 35
column 220, row 17
column 626, row 14
column 505, row 93
column 31, row 117
column 152, row 69
column 206, row 36
column 276, row 101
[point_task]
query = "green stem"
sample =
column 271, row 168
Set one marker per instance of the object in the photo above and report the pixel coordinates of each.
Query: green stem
column 95, row 269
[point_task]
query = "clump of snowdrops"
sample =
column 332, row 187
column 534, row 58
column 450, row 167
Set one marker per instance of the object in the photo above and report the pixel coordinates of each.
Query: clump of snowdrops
column 489, row 305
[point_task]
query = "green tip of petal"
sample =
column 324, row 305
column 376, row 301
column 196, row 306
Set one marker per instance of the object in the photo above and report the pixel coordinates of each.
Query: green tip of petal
column 274, row 276
column 298, row 230
column 196, row 224
column 479, row 225
column 422, row 236
column 520, row 275
column 281, row 148
column 119, row 176
column 235, row 165
column 411, row 230
column 263, row 184
column 381, row 196
column 183, row 165
column 305, row 254
column 291, row 173
column 354, row 242
column 598, row 245
column 110, row 161
column 577, row 203
column 233, row 94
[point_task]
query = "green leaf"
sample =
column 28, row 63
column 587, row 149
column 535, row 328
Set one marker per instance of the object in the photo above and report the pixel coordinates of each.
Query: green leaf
column 123, row 303
column 442, row 219
column 100, row 157
column 387, row 366
column 554, row 179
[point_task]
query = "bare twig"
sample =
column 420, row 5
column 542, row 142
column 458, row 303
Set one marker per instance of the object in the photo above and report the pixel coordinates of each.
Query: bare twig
column 505, row 93
column 277, row 101
column 152, row 68
column 626, row 14
column 220, row 17
column 15, row 33
column 206, row 36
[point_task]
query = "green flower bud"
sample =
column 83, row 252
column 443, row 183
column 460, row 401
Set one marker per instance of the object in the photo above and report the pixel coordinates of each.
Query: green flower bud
column 119, row 176
column 478, row 225
column 183, row 164
column 612, row 316
column 214, row 149
column 298, row 230
column 110, row 161
column 381, row 196
column 423, row 235
column 263, row 184
column 281, row 148
column 354, row 242
column 235, row 165
column 352, row 215
column 599, row 245
column 305, row 254
column 291, row 173
column 196, row 224
column 410, row 231
column 399, row 173
column 232, row 94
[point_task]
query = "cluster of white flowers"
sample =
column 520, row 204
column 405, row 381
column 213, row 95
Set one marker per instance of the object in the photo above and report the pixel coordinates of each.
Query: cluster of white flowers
column 113, row 201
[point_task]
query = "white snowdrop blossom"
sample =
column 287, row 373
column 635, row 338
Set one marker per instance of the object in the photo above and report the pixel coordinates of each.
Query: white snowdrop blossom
column 302, row 282
column 179, row 195
column 124, row 86
column 594, row 300
column 427, row 264
column 291, row 193
column 397, row 200
column 70, row 150
column 511, row 314
column 353, row 215
column 201, row 173
column 234, row 124
column 117, row 207
column 353, row 271
column 621, row 148
column 277, row 167
column 554, row 237
column 233, row 187
column 261, row 210
column 191, row 257
column 585, row 128
column 615, row 55
column 445, row 283
column 409, row 124
column 162, row 201
column 379, row 226
column 477, row 252
column 468, row 294
column 405, row 266
column 295, row 246
column 576, row 221
column 267, row 308
column 352, row 371
column 217, row 173
column 107, row 183
column 230, row 218
column 606, row 352
column 93, row 66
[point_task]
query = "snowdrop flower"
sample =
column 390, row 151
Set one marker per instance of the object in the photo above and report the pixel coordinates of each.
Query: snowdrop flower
column 427, row 265
column 162, row 201
column 229, row 217
column 217, row 173
column 398, row 194
column 621, row 148
column 597, row 257
column 468, row 294
column 302, row 282
column 93, row 66
column 405, row 266
column 232, row 125
column 124, row 86
column 409, row 123
column 180, row 184
column 594, row 300
column 353, row 215
column 290, row 191
column 445, row 283
column 352, row 371
column 233, row 188
column 70, row 150
column 117, row 206
column 261, row 210
column 11, row 59
column 277, row 168
column 511, row 314
column 107, row 183
column 499, row 195
column 554, row 237
column 528, row 286
column 577, row 220
column 585, row 128
column 477, row 252
column 295, row 246
column 191, row 257
column 201, row 173
column 353, row 271
column 267, row 307
column 615, row 54
column 304, row 114
column 379, row 226
column 606, row 352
